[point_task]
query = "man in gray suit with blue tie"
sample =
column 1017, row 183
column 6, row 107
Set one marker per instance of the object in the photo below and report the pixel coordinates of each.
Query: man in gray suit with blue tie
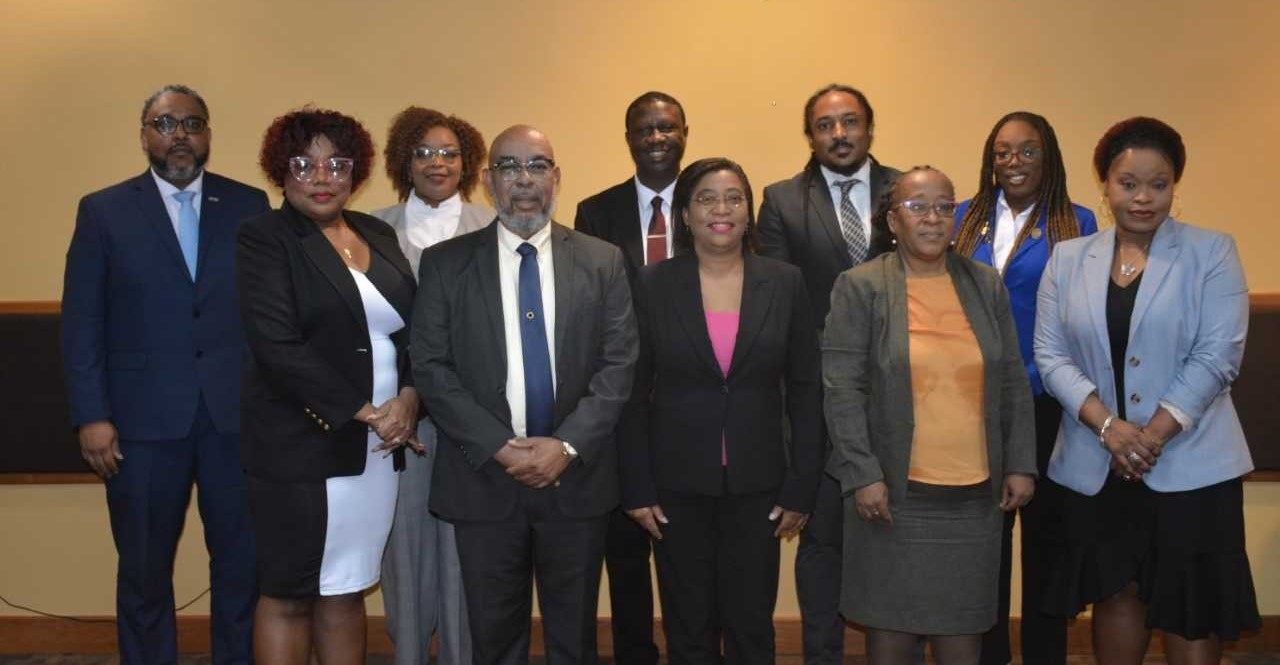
column 523, row 348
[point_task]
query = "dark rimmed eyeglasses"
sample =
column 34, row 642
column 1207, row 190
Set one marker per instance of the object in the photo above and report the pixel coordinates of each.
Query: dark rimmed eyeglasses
column 509, row 170
column 167, row 124
column 1027, row 154
column 305, row 169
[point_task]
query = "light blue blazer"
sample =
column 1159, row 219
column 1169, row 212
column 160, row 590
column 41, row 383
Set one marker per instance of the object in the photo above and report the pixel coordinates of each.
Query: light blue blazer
column 1186, row 339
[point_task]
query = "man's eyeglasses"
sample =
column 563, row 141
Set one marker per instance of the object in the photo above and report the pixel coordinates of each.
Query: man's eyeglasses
column 538, row 168
column 709, row 201
column 1027, row 153
column 167, row 124
column 945, row 209
column 305, row 169
column 426, row 153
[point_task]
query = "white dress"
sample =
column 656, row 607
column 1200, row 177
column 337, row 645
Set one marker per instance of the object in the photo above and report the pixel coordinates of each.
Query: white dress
column 360, row 508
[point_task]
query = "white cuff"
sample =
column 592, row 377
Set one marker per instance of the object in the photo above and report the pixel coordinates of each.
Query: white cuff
column 1178, row 415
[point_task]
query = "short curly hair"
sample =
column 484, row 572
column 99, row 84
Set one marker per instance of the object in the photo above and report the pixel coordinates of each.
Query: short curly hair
column 292, row 133
column 407, row 129
column 1140, row 132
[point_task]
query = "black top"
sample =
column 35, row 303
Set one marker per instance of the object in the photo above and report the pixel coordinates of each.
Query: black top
column 1120, row 301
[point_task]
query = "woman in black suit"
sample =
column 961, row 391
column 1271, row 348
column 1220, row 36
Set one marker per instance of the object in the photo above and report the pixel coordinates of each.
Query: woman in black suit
column 708, row 469
column 325, row 295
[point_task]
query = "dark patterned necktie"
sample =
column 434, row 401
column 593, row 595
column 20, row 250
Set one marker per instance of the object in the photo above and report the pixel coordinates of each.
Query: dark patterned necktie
column 656, row 240
column 539, row 394
column 851, row 223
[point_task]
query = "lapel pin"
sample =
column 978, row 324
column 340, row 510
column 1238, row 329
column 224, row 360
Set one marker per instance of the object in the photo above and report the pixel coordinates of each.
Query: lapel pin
column 211, row 199
column 1035, row 233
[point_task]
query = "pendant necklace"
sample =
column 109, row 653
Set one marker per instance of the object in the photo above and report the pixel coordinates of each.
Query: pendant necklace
column 1129, row 269
column 347, row 251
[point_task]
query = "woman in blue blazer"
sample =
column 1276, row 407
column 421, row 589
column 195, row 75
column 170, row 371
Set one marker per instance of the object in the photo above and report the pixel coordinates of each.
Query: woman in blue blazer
column 1020, row 213
column 1139, row 334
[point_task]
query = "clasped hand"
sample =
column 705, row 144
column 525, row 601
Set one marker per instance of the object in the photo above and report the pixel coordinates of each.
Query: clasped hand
column 1133, row 450
column 536, row 461
column 396, row 423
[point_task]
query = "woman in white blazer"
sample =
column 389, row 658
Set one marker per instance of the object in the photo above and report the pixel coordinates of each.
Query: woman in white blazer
column 1139, row 334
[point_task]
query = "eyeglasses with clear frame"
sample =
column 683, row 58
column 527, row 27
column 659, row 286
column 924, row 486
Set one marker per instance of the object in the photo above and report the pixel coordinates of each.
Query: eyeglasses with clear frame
column 945, row 209
column 509, row 170
column 426, row 153
column 710, row 201
column 166, row 125
column 305, row 169
column 1027, row 154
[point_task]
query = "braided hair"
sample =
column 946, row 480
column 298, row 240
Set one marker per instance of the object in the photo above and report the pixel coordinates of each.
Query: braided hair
column 1061, row 223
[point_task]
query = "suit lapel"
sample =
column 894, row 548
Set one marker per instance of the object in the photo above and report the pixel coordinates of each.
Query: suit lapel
column 687, row 302
column 757, row 301
column 562, row 266
column 389, row 249
column 152, row 209
column 1097, row 277
column 1160, row 257
column 627, row 224
column 322, row 254
column 897, row 335
column 210, row 217
column 821, row 204
column 486, row 267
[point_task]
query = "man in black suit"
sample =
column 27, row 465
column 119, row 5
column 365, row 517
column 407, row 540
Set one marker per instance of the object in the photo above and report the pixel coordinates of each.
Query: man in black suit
column 523, row 348
column 820, row 220
column 635, row 216
column 153, row 347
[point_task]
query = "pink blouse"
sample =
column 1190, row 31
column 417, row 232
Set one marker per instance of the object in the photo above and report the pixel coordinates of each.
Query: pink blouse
column 722, row 327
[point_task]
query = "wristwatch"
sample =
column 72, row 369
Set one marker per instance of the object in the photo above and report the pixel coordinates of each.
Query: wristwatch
column 568, row 450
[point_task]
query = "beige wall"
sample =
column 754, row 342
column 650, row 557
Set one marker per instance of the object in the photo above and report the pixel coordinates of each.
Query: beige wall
column 939, row 72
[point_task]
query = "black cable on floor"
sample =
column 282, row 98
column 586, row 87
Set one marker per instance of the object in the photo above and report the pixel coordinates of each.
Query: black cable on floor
column 51, row 615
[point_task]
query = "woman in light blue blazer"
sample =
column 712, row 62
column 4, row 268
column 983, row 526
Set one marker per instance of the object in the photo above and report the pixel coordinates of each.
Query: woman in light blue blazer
column 1020, row 213
column 1139, row 334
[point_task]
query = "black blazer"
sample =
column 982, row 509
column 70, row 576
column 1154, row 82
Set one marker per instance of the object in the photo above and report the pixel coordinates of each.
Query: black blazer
column 460, row 367
column 798, row 224
column 310, row 368
column 681, row 402
column 614, row 217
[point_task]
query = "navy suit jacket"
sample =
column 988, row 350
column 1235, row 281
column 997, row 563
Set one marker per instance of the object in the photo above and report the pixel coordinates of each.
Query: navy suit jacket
column 141, row 340
column 1022, row 276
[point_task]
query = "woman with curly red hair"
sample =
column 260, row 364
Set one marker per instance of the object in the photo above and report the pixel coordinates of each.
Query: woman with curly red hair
column 325, row 295
column 434, row 162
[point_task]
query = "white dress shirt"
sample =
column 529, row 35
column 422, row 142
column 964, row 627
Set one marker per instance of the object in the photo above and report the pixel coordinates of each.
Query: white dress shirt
column 509, row 278
column 644, row 196
column 1008, row 226
column 860, row 193
column 167, row 190
column 425, row 226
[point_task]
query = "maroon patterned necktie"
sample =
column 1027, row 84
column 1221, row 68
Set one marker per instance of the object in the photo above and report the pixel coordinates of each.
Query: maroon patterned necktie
column 656, row 240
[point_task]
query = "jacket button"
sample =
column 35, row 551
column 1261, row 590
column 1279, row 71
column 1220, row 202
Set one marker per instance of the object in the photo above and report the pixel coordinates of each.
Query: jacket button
column 1134, row 362
column 1135, row 398
column 724, row 389
column 199, row 354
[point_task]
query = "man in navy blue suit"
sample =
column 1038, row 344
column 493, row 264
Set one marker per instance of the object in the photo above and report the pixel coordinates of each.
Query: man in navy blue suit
column 152, row 345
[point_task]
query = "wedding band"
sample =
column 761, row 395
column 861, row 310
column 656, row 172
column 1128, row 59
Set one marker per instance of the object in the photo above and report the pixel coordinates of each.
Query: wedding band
column 1133, row 457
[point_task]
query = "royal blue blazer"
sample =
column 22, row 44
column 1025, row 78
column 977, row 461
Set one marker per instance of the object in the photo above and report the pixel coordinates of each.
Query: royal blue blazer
column 1186, row 340
column 1022, row 276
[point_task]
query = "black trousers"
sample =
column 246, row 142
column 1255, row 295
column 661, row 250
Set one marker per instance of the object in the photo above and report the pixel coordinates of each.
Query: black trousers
column 1044, row 637
column 502, row 560
column 626, row 558
column 718, row 577
column 818, row 571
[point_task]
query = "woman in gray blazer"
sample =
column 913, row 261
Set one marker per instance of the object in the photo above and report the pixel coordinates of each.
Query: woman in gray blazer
column 434, row 161
column 1139, row 334
column 930, row 415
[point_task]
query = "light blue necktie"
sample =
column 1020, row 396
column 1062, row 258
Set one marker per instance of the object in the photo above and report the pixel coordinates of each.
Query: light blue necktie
column 188, row 229
column 539, row 393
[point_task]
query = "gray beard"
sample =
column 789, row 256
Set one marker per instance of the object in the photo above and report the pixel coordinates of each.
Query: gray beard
column 523, row 225
column 171, row 173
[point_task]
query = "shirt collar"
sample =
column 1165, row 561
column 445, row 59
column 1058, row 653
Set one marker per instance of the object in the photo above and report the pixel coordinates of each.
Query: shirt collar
column 1002, row 206
column 541, row 240
column 167, row 189
column 416, row 208
column 645, row 195
column 863, row 174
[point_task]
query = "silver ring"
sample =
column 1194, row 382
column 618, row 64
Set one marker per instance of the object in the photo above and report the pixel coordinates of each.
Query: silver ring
column 1133, row 457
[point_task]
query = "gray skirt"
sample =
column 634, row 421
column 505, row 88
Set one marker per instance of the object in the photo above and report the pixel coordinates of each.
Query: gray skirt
column 933, row 571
